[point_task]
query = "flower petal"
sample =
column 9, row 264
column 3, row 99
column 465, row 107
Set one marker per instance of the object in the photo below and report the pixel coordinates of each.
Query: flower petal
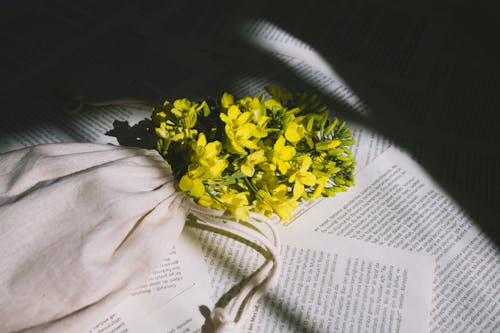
column 298, row 189
column 308, row 178
column 287, row 153
column 227, row 100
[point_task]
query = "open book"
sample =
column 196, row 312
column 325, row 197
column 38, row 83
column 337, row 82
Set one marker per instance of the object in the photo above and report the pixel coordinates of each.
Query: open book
column 394, row 254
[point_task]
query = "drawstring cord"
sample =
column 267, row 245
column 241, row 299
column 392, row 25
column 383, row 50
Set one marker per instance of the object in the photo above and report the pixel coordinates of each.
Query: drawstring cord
column 229, row 318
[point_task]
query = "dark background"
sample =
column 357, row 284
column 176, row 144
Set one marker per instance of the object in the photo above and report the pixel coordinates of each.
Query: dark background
column 429, row 71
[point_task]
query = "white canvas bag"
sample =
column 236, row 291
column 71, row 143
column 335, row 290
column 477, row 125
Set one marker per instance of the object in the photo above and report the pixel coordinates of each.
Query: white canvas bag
column 79, row 225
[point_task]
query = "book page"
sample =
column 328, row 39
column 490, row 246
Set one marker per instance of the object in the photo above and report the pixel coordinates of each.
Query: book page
column 328, row 285
column 396, row 205
column 91, row 123
column 340, row 285
column 88, row 125
column 172, row 299
column 369, row 145
column 300, row 58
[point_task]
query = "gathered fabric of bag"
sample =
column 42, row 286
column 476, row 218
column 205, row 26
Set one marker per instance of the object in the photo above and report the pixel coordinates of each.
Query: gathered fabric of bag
column 79, row 225
column 82, row 224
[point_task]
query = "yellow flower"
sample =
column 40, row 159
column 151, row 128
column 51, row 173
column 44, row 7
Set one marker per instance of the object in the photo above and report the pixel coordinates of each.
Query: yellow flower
column 193, row 186
column 176, row 122
column 302, row 177
column 273, row 196
column 294, row 132
column 182, row 104
column 302, row 129
column 236, row 203
column 282, row 154
column 272, row 103
column 205, row 151
column 162, row 131
column 227, row 100
column 186, row 112
column 170, row 132
column 321, row 182
column 251, row 104
column 207, row 201
column 158, row 115
column 248, row 166
column 205, row 163
column 241, row 133
column 255, row 106
column 278, row 203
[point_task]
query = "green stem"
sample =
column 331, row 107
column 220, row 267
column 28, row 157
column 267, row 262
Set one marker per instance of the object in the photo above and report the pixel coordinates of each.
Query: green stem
column 251, row 185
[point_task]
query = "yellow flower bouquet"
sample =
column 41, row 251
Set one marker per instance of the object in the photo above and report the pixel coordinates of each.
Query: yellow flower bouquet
column 245, row 161
column 255, row 154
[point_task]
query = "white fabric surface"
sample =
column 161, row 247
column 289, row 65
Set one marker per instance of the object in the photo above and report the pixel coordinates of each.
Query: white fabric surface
column 79, row 225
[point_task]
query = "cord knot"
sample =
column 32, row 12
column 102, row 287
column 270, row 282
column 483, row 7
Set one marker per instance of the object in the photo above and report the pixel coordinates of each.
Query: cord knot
column 222, row 321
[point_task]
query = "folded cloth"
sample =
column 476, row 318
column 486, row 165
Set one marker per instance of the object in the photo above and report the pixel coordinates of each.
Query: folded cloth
column 79, row 225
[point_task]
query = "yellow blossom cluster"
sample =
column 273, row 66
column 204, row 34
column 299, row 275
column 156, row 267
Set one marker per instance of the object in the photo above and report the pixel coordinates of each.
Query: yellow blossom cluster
column 258, row 153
